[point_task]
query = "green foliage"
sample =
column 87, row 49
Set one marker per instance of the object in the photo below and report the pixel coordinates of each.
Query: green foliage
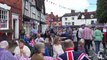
column 101, row 11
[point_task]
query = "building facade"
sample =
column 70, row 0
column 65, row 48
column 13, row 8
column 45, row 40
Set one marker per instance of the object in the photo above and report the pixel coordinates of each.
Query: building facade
column 33, row 14
column 53, row 21
column 10, row 16
column 79, row 18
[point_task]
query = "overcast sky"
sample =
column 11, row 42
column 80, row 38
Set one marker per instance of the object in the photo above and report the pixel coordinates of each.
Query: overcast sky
column 78, row 5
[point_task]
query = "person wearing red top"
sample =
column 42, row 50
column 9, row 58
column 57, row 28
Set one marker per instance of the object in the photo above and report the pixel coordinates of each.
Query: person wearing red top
column 104, row 36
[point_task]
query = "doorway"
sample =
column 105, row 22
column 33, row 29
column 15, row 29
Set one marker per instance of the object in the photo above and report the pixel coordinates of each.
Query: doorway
column 15, row 26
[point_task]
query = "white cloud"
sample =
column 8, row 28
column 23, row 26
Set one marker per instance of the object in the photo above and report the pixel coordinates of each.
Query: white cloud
column 73, row 4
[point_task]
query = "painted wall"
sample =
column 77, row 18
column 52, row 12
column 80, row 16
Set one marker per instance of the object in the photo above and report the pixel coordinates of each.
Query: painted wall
column 77, row 21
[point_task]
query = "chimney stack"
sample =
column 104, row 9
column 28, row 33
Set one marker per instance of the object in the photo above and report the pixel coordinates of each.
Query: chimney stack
column 86, row 10
column 72, row 11
column 52, row 13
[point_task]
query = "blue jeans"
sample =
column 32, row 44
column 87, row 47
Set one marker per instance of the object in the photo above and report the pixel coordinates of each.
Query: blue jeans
column 97, row 46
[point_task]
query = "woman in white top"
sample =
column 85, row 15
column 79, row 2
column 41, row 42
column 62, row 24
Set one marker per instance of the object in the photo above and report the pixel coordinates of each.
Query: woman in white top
column 74, row 36
column 57, row 47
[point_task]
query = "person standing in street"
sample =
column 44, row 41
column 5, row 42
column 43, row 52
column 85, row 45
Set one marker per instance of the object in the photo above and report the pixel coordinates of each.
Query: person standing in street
column 34, row 32
column 98, row 36
column 27, row 40
column 39, row 38
column 74, row 37
column 87, row 35
column 104, row 37
column 22, row 33
column 79, row 32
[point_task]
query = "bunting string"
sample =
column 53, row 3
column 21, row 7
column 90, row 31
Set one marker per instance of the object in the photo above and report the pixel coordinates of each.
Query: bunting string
column 58, row 5
column 62, row 6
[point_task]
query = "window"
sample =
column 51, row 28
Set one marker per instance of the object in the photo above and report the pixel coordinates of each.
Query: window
column 65, row 18
column 59, row 23
column 69, row 23
column 4, row 21
column 26, row 4
column 92, row 16
column 65, row 23
column 72, row 23
column 33, row 10
column 72, row 18
column 58, row 19
column 92, row 22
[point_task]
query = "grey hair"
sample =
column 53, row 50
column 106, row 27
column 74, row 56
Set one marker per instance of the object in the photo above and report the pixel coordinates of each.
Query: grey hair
column 4, row 44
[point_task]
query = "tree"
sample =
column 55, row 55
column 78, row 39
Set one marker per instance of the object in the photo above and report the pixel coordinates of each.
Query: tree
column 102, row 11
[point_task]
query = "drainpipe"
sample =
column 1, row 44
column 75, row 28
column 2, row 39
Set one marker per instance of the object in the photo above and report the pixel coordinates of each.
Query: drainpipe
column 40, row 25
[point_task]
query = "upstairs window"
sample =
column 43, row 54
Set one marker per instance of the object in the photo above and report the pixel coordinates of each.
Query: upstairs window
column 33, row 10
column 4, row 20
column 92, row 16
column 72, row 18
column 72, row 23
column 26, row 4
column 69, row 23
column 65, row 18
column 66, row 23
column 92, row 22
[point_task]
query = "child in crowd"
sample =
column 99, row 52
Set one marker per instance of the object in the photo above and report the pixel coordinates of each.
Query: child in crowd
column 32, row 42
column 81, row 46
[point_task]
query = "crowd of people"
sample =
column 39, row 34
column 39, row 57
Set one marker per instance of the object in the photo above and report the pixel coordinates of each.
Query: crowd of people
column 55, row 44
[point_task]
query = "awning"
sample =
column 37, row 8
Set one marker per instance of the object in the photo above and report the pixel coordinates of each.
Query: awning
column 5, row 6
column 41, row 22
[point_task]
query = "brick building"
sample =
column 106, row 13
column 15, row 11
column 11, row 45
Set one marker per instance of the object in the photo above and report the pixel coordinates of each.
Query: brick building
column 10, row 16
column 53, row 21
